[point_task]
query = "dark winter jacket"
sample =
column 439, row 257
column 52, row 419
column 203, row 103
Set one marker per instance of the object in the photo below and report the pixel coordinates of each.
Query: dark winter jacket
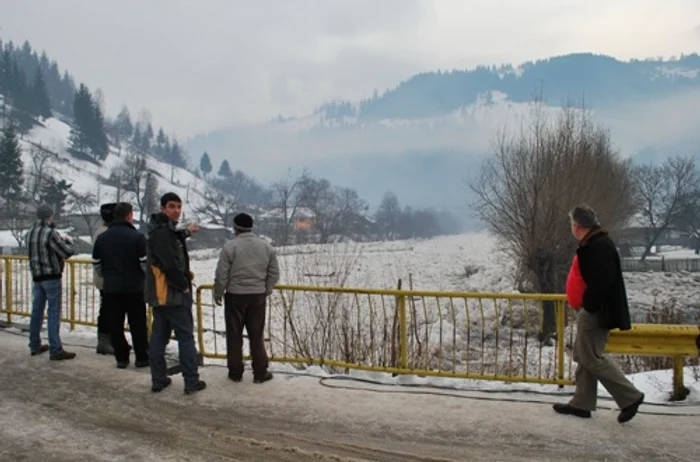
column 119, row 256
column 47, row 251
column 168, row 274
column 601, row 270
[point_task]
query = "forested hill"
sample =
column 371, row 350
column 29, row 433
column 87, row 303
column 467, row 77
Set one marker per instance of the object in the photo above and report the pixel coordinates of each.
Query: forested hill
column 600, row 80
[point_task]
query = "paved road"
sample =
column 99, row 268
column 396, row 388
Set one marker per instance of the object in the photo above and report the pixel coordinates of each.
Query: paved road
column 87, row 410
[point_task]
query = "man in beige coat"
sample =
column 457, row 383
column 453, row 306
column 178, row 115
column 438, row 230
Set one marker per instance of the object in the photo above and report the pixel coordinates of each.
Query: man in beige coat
column 246, row 274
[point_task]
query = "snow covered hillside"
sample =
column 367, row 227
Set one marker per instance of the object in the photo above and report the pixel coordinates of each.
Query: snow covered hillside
column 88, row 178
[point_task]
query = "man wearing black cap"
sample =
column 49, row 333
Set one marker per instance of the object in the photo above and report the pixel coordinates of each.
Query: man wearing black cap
column 104, row 343
column 246, row 274
column 119, row 256
column 48, row 251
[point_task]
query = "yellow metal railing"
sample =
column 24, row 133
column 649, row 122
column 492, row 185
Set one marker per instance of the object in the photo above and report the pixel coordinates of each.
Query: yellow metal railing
column 450, row 334
column 465, row 335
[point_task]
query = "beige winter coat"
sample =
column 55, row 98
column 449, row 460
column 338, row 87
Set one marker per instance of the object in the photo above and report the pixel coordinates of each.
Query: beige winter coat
column 98, row 280
column 247, row 265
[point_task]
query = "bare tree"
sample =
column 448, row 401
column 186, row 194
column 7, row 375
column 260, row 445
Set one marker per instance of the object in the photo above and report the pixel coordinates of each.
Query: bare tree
column 39, row 171
column 85, row 204
column 662, row 194
column 689, row 219
column 388, row 216
column 150, row 197
column 335, row 209
column 533, row 178
column 132, row 175
column 217, row 206
column 285, row 198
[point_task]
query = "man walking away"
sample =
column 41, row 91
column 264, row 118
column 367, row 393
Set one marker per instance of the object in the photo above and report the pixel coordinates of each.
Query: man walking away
column 169, row 292
column 246, row 274
column 47, row 254
column 119, row 256
column 601, row 290
column 104, row 342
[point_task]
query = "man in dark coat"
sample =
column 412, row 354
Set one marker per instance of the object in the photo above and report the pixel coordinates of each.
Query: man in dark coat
column 169, row 292
column 104, row 341
column 119, row 256
column 605, row 308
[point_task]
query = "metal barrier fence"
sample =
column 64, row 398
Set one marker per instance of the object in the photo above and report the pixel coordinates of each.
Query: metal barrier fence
column 80, row 297
column 448, row 334
column 464, row 335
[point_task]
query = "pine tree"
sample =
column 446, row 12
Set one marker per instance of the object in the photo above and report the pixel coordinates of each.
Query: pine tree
column 98, row 138
column 159, row 149
column 82, row 121
column 42, row 103
column 11, row 169
column 205, row 164
column 55, row 193
column 123, row 128
column 225, row 170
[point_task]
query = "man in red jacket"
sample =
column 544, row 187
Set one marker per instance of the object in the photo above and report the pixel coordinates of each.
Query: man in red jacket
column 595, row 282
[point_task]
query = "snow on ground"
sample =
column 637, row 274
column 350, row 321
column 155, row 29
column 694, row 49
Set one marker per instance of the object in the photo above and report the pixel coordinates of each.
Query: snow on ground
column 87, row 409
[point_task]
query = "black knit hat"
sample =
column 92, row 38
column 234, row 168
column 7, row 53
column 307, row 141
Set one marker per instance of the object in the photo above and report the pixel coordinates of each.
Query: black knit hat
column 107, row 212
column 243, row 222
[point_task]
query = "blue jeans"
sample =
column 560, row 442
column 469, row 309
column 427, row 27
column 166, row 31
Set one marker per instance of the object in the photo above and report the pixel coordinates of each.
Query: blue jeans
column 179, row 319
column 43, row 292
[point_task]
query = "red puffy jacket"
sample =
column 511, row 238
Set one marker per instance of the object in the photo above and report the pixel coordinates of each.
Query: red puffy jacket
column 575, row 285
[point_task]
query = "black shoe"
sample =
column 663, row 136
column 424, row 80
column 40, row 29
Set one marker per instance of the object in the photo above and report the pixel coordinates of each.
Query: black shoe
column 263, row 378
column 62, row 356
column 144, row 363
column 630, row 411
column 199, row 386
column 234, row 377
column 158, row 388
column 122, row 364
column 570, row 410
column 42, row 349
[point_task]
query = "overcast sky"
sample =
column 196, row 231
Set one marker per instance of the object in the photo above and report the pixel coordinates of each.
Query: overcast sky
column 199, row 65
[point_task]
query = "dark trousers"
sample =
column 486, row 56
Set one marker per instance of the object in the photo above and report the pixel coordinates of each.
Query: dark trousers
column 167, row 319
column 132, row 305
column 245, row 311
column 102, row 318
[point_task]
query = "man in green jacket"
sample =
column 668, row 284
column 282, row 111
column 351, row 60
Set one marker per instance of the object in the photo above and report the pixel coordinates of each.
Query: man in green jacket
column 169, row 292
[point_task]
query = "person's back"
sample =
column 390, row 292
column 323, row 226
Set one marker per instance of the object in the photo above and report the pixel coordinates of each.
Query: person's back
column 599, row 262
column 251, row 258
column 47, row 254
column 246, row 274
column 123, row 258
column 119, row 255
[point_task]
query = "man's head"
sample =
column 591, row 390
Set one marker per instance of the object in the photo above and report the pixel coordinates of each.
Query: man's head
column 45, row 213
column 123, row 211
column 583, row 219
column 107, row 212
column 242, row 223
column 171, row 206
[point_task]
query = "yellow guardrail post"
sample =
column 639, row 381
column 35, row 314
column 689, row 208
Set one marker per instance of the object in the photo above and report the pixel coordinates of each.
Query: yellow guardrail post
column 72, row 295
column 679, row 390
column 200, row 331
column 403, row 332
column 561, row 341
column 8, row 290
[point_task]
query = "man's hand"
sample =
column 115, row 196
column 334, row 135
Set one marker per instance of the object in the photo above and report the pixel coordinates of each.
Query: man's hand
column 193, row 228
column 218, row 302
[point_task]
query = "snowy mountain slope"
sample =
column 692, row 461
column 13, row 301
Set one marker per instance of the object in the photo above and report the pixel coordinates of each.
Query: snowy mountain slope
column 88, row 178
